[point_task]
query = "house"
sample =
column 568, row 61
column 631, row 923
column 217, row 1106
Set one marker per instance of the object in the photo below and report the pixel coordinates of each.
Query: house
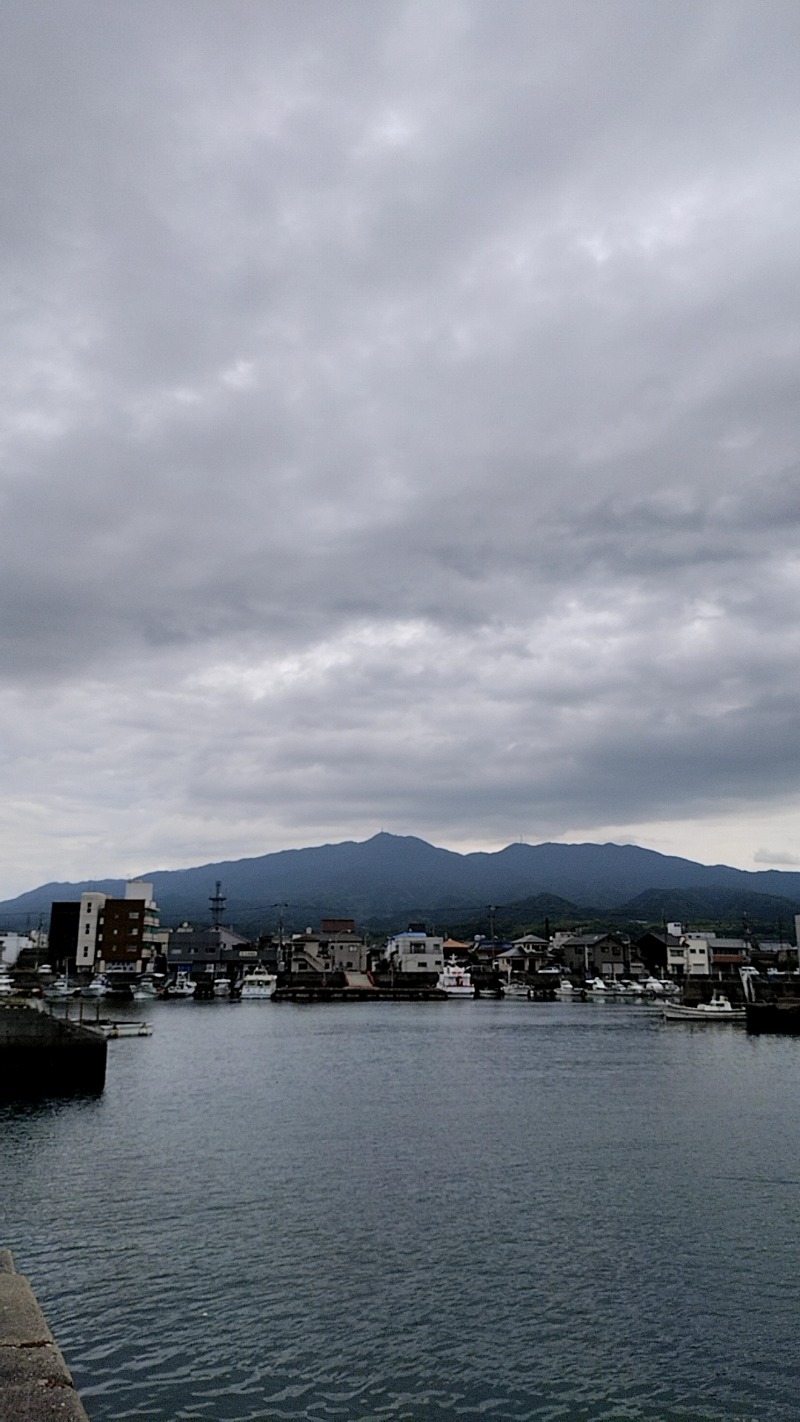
column 336, row 947
column 207, row 950
column 415, row 951
column 728, row 955
column 653, row 949
column 526, row 955
column 14, row 945
column 690, row 956
column 603, row 955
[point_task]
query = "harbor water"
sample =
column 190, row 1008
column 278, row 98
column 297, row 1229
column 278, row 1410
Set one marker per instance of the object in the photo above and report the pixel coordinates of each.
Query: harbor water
column 434, row 1211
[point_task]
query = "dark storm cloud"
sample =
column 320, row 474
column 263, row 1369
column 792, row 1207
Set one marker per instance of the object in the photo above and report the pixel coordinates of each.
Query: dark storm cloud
column 401, row 400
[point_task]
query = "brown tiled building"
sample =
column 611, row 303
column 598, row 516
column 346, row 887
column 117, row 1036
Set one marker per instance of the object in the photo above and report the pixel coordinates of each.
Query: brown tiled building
column 120, row 933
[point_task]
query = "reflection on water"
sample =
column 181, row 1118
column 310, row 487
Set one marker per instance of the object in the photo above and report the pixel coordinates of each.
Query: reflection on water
column 419, row 1211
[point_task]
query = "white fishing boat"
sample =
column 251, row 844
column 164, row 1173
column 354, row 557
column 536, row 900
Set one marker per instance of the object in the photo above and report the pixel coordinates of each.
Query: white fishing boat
column 654, row 987
column 182, row 985
column 59, row 988
column 98, row 987
column 6, row 983
column 719, row 1009
column 557, row 981
column 145, row 989
column 631, row 988
column 222, row 987
column 258, row 983
column 595, row 987
column 455, row 980
column 516, row 990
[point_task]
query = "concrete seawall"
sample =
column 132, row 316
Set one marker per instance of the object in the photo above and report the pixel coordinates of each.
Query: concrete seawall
column 41, row 1055
column 35, row 1382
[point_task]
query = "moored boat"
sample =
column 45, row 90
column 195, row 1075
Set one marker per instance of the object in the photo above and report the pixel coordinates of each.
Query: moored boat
column 182, row 985
column 596, row 988
column 258, row 983
column 516, row 990
column 719, row 1009
column 59, row 988
column 455, row 980
column 98, row 987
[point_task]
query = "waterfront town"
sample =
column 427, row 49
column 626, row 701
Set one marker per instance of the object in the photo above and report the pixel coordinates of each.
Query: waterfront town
column 100, row 945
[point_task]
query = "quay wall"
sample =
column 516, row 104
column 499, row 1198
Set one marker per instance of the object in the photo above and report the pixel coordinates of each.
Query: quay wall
column 41, row 1055
column 35, row 1382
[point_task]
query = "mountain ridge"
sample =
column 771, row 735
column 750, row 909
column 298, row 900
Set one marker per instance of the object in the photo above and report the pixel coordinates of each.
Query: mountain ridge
column 398, row 876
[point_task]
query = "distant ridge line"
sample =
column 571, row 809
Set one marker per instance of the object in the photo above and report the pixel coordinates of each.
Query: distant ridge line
column 399, row 876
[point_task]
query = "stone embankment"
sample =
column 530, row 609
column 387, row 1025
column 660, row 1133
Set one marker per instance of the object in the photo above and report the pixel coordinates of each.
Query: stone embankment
column 35, row 1382
column 41, row 1055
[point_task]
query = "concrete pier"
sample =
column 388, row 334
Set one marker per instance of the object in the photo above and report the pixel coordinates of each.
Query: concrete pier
column 41, row 1055
column 35, row 1382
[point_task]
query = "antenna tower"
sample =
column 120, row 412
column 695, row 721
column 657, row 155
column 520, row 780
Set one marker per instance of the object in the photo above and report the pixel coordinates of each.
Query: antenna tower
column 217, row 902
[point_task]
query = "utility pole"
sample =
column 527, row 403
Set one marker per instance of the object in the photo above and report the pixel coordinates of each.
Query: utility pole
column 283, row 964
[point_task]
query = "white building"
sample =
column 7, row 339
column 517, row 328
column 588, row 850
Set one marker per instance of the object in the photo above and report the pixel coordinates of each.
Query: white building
column 690, row 956
column 415, row 951
column 86, row 950
column 12, row 944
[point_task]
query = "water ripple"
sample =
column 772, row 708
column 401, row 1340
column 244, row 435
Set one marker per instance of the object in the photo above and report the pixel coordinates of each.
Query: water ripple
column 505, row 1211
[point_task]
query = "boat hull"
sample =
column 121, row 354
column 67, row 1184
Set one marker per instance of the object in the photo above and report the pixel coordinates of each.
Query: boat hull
column 675, row 1012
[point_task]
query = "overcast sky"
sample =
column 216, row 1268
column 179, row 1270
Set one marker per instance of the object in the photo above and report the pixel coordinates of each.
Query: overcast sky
column 400, row 427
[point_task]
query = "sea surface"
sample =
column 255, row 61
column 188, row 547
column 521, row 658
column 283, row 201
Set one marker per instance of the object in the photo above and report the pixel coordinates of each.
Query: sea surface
column 497, row 1210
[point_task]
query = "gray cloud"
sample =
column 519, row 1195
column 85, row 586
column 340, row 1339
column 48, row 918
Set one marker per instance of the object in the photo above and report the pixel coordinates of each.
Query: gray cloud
column 399, row 425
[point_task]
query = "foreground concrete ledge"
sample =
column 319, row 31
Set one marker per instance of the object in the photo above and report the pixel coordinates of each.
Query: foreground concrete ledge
column 35, row 1382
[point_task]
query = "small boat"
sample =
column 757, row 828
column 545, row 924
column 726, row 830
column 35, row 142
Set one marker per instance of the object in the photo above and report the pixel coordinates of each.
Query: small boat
column 222, row 987
column 631, row 988
column 719, row 1009
column 59, row 988
column 145, row 988
column 258, row 983
column 7, row 988
column 98, row 987
column 595, row 987
column 516, row 990
column 181, row 986
column 455, row 980
column 654, row 987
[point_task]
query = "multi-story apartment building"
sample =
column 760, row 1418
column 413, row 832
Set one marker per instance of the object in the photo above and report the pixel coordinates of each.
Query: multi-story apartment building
column 120, row 934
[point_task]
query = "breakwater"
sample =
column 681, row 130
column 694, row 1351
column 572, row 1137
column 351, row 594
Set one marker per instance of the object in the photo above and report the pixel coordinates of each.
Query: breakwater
column 41, row 1055
column 35, row 1382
